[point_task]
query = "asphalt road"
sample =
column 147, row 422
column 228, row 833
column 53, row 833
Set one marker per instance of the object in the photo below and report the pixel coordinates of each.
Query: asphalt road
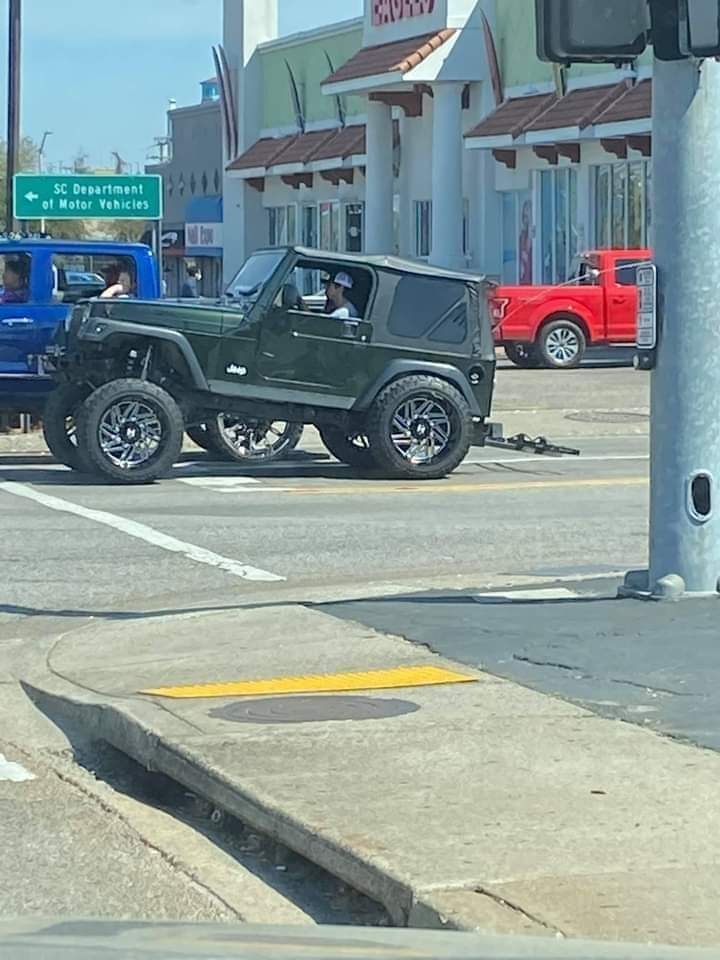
column 214, row 534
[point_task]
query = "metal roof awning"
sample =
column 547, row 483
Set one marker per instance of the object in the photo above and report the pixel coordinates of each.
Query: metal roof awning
column 386, row 63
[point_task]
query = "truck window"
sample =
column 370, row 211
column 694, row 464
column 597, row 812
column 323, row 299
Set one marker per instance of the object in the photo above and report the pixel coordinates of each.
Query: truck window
column 586, row 273
column 15, row 278
column 626, row 272
column 80, row 276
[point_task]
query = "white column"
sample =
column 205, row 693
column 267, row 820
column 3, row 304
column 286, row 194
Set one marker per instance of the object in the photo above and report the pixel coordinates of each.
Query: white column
column 447, row 176
column 379, row 179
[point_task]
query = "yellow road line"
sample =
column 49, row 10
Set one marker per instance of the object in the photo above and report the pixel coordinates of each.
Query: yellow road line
column 393, row 677
column 349, row 488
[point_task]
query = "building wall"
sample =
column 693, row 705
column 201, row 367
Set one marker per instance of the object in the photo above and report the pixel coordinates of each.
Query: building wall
column 306, row 55
column 197, row 158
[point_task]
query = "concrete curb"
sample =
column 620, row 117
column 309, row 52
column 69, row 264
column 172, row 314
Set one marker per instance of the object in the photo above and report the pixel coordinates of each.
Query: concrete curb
column 146, row 734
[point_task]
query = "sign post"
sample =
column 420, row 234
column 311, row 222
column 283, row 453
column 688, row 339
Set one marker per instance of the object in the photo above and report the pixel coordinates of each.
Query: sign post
column 87, row 197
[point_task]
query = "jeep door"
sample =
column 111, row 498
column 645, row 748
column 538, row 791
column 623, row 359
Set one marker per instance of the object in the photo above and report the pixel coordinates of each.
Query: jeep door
column 314, row 353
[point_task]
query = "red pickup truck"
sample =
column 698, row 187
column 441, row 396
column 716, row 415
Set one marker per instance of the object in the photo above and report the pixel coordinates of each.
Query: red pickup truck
column 552, row 326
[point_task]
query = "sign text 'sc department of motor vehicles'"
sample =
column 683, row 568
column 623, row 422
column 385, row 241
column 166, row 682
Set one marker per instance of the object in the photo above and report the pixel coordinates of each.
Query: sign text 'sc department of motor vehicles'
column 68, row 197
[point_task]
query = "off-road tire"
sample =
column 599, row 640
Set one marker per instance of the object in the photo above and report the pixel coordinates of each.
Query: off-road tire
column 219, row 443
column 165, row 409
column 387, row 406
column 58, row 424
column 523, row 355
column 345, row 448
column 566, row 327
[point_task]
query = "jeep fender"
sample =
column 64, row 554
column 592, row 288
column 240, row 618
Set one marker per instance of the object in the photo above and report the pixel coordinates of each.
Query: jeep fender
column 99, row 330
column 404, row 368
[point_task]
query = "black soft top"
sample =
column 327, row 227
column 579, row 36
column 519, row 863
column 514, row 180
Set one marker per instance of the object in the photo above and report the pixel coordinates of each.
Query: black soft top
column 383, row 262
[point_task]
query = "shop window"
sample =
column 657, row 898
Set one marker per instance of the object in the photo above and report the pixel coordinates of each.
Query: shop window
column 354, row 227
column 623, row 213
column 282, row 226
column 423, row 228
column 558, row 223
column 517, row 236
column 310, row 225
column 330, row 225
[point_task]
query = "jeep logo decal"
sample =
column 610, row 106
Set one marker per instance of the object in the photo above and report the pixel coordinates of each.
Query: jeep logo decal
column 235, row 370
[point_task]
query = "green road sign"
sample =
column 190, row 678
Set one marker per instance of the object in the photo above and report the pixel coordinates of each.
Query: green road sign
column 87, row 197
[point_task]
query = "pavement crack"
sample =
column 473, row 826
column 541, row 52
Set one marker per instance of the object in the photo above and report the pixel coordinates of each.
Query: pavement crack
column 584, row 675
column 501, row 901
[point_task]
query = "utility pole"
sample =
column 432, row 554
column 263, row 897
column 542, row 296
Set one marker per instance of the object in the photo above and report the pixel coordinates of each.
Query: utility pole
column 41, row 165
column 13, row 104
column 685, row 390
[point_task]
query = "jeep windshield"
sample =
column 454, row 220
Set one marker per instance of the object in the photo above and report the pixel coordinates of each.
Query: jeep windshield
column 253, row 275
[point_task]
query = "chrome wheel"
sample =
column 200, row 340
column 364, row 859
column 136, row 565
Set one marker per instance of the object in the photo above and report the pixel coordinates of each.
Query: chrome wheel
column 562, row 345
column 130, row 433
column 421, row 429
column 257, row 440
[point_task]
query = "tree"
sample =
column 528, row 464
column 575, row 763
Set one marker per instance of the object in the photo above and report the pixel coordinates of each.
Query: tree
column 27, row 162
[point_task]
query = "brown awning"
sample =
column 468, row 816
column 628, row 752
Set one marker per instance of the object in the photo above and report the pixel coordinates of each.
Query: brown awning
column 578, row 108
column 262, row 153
column 513, row 117
column 302, row 148
column 400, row 56
column 635, row 104
column 341, row 143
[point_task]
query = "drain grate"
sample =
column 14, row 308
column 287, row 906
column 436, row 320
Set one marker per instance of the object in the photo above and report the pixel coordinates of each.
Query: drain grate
column 608, row 416
column 312, row 709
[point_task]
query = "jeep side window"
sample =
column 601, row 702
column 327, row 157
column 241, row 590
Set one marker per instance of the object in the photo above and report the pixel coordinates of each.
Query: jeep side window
column 15, row 278
column 428, row 307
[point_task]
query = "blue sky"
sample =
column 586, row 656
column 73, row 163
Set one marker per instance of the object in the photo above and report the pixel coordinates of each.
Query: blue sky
column 99, row 73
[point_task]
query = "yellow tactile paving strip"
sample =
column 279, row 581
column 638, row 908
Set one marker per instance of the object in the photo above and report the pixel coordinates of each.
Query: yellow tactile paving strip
column 318, row 683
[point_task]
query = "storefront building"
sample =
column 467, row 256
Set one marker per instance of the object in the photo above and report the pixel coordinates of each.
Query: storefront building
column 192, row 184
column 429, row 128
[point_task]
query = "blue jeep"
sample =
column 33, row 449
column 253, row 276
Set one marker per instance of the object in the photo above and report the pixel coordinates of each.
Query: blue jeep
column 40, row 281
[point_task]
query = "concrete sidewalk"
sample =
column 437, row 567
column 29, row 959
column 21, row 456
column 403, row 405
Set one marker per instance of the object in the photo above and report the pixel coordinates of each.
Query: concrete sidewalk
column 479, row 805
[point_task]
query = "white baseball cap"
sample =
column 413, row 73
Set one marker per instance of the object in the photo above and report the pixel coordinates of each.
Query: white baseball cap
column 344, row 280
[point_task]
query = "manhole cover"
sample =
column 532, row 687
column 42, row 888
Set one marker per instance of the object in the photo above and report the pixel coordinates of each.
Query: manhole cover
column 312, row 709
column 607, row 416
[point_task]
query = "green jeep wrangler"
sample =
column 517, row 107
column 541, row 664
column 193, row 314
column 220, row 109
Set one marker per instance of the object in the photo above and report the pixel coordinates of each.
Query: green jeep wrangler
column 399, row 380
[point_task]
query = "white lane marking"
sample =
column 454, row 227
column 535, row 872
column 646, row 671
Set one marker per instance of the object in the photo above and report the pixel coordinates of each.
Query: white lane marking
column 142, row 532
column 15, row 772
column 548, row 593
column 231, row 485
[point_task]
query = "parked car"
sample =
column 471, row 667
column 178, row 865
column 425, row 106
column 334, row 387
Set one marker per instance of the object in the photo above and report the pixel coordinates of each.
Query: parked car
column 405, row 387
column 552, row 326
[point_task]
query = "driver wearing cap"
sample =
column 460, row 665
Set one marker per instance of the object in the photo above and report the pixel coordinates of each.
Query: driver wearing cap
column 337, row 289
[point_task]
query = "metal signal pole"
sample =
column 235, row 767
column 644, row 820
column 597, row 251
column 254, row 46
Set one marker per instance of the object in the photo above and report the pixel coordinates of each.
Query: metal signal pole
column 13, row 104
column 685, row 391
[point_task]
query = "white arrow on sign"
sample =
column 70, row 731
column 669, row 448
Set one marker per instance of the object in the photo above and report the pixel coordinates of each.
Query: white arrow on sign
column 32, row 196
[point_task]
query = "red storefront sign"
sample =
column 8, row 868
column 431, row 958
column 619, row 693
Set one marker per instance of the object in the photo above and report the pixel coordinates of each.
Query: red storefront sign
column 391, row 11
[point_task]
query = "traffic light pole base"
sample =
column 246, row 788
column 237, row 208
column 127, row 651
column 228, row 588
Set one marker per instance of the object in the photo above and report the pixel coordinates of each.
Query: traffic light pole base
column 637, row 586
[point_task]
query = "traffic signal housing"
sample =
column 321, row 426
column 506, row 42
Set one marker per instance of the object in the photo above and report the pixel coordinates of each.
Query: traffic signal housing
column 591, row 31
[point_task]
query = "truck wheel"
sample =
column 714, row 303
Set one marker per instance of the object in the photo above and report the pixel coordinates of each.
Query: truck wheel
column 420, row 427
column 131, row 431
column 352, row 449
column 561, row 344
column 59, row 426
column 522, row 355
column 251, row 441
